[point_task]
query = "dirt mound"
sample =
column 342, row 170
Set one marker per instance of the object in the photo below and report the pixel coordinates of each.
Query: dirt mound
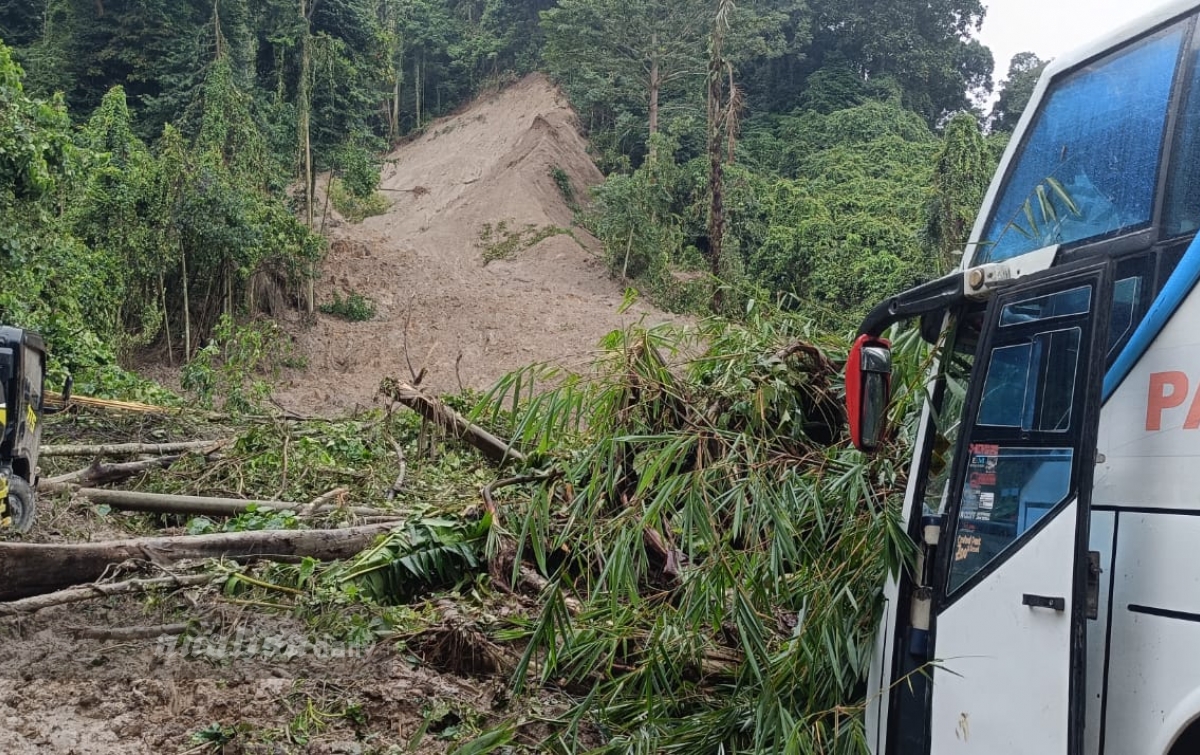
column 476, row 269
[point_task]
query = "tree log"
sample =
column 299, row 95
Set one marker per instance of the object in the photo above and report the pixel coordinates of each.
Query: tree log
column 78, row 594
column 193, row 505
column 128, row 633
column 493, row 448
column 127, row 449
column 37, row 568
column 99, row 473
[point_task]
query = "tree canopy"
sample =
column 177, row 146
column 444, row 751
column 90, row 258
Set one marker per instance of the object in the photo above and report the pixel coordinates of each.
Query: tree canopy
column 1023, row 73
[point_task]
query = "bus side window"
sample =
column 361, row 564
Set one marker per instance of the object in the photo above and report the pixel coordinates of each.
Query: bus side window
column 1126, row 294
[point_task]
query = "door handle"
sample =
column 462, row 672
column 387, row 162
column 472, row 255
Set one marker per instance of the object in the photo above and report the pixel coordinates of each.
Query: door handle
column 1092, row 607
column 1044, row 601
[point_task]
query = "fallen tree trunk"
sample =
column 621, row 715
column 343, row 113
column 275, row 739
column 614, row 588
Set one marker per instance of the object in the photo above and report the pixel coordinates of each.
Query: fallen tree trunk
column 493, row 448
column 127, row 449
column 79, row 594
column 128, row 633
column 37, row 568
column 99, row 473
column 193, row 505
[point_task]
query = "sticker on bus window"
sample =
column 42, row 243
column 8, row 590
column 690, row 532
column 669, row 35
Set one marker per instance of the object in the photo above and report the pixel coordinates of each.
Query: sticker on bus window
column 979, row 493
column 966, row 546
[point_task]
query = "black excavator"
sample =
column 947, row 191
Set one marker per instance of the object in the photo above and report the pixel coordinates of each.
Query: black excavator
column 22, row 406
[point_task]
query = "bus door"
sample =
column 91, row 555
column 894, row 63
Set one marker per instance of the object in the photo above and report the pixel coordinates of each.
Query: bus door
column 1011, row 578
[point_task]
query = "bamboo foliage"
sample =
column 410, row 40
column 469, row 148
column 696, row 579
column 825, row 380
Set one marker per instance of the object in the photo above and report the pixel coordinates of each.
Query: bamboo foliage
column 715, row 566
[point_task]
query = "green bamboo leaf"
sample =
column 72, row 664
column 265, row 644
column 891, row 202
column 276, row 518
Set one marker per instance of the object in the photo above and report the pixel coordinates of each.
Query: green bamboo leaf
column 1027, row 208
column 1062, row 193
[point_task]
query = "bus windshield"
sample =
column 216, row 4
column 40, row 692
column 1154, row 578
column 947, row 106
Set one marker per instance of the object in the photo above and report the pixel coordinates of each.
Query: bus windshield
column 1088, row 165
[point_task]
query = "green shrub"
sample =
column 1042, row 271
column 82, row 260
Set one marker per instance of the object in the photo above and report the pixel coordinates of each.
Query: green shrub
column 233, row 363
column 563, row 182
column 500, row 243
column 355, row 307
column 360, row 172
column 353, row 207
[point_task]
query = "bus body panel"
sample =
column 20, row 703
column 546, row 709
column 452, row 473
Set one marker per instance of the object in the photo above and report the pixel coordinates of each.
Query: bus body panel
column 1100, row 541
column 1153, row 663
column 1148, row 485
column 974, row 708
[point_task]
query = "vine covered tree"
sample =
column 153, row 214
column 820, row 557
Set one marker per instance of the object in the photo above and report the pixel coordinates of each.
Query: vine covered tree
column 961, row 171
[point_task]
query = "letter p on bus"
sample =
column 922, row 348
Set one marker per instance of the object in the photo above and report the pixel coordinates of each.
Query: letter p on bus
column 1160, row 399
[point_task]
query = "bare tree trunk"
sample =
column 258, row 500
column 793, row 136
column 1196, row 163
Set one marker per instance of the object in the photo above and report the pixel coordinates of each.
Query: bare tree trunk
column 397, row 93
column 217, row 27
column 655, row 88
column 716, row 210
column 37, row 568
column 721, row 115
column 162, row 293
column 305, row 103
column 99, row 473
column 417, row 84
column 129, row 449
column 78, row 594
column 228, row 290
column 192, row 505
column 187, row 308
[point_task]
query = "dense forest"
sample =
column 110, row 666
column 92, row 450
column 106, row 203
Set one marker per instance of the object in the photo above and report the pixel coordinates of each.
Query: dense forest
column 822, row 153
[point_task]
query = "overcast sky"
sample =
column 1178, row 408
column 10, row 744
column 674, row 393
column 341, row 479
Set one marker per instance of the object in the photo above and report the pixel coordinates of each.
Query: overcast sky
column 1052, row 27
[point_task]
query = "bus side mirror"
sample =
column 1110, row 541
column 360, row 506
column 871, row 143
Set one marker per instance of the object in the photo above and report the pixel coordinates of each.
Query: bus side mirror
column 868, row 390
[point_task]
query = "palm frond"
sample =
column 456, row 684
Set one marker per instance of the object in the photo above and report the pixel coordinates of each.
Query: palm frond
column 425, row 555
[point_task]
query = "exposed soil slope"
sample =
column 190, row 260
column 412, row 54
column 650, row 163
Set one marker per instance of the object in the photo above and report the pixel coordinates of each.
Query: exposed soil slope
column 468, row 320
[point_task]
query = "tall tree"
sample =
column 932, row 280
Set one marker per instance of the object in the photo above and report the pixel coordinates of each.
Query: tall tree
column 723, row 99
column 619, row 57
column 1023, row 73
column 927, row 48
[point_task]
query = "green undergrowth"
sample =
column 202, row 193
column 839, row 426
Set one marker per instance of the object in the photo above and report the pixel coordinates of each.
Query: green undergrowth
column 234, row 370
column 354, row 308
column 353, row 207
column 712, row 550
column 565, row 188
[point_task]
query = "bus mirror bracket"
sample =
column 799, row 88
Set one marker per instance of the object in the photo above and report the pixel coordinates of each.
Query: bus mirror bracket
column 868, row 390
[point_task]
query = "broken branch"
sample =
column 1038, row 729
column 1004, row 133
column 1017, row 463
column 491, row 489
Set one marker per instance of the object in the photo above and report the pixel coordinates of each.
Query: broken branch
column 99, row 473
column 128, row 449
column 78, row 594
column 193, row 505
column 493, row 448
column 128, row 633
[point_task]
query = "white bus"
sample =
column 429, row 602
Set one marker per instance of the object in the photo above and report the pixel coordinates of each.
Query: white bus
column 1054, row 607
